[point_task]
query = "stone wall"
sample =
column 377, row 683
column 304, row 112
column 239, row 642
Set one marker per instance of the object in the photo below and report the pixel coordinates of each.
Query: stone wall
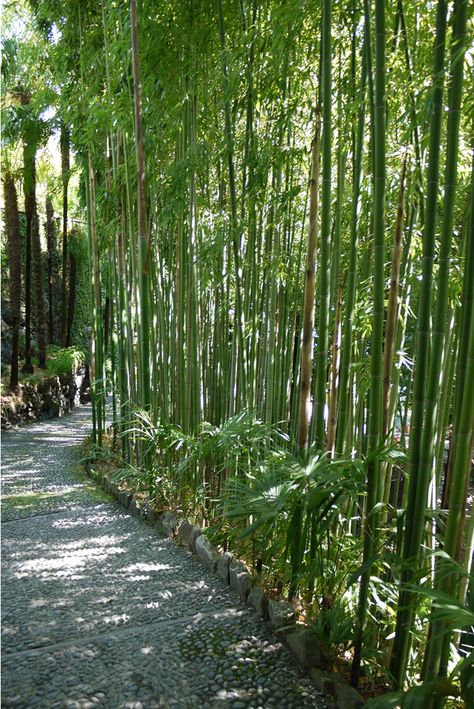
column 44, row 399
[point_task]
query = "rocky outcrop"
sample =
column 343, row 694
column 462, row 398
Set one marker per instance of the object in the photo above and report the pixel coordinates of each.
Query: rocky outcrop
column 44, row 399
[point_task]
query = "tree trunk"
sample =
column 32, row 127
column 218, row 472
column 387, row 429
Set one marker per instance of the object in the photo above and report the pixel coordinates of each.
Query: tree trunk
column 51, row 247
column 72, row 297
column 39, row 295
column 12, row 227
column 65, row 165
column 29, row 187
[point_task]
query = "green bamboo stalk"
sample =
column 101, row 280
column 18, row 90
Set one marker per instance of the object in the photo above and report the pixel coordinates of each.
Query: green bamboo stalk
column 273, row 239
column 467, row 296
column 392, row 308
column 309, row 291
column 235, row 227
column 336, row 279
column 143, row 234
column 121, row 297
column 461, row 470
column 448, row 366
column 376, row 357
column 96, row 340
column 348, row 319
column 132, row 276
column 324, row 270
column 413, row 533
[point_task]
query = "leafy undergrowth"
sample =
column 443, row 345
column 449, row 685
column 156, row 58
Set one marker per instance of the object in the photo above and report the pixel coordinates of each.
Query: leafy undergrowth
column 58, row 361
column 105, row 459
column 293, row 519
column 262, row 549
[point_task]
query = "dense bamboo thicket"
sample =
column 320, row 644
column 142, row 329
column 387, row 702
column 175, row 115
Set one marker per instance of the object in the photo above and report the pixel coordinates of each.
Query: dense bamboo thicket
column 280, row 223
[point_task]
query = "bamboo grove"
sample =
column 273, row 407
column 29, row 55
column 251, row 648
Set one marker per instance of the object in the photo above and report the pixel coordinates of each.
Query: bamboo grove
column 281, row 238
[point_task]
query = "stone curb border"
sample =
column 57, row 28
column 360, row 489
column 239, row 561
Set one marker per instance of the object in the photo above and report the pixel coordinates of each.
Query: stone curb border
column 232, row 572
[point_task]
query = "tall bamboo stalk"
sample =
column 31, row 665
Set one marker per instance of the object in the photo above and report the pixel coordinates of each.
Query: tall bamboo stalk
column 376, row 353
column 233, row 206
column 40, row 320
column 309, row 292
column 348, row 318
column 143, row 233
column 392, row 308
column 97, row 360
column 414, row 532
column 463, row 451
column 324, row 281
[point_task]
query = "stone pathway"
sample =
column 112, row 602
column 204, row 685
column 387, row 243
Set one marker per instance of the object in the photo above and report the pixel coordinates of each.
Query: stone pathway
column 99, row 610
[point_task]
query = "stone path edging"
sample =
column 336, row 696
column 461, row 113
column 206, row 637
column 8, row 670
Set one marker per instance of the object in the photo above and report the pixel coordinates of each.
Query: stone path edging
column 279, row 614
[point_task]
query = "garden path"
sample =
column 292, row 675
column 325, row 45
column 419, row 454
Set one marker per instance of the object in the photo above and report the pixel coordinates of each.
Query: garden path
column 99, row 610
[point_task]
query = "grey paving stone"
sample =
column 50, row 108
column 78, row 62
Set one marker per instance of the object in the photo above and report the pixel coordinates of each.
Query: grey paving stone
column 258, row 601
column 206, row 552
column 240, row 579
column 223, row 564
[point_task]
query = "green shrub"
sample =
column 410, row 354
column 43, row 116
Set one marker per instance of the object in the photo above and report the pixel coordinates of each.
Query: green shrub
column 69, row 359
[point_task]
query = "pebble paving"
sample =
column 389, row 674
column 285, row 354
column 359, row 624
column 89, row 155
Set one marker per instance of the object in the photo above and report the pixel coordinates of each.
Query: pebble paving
column 98, row 610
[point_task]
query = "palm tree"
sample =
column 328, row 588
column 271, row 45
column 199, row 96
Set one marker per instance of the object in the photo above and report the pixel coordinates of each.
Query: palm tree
column 65, row 168
column 12, row 227
column 41, row 326
column 51, row 250
column 29, row 189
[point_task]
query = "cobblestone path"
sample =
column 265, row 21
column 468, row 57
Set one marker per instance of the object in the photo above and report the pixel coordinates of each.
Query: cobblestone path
column 99, row 610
